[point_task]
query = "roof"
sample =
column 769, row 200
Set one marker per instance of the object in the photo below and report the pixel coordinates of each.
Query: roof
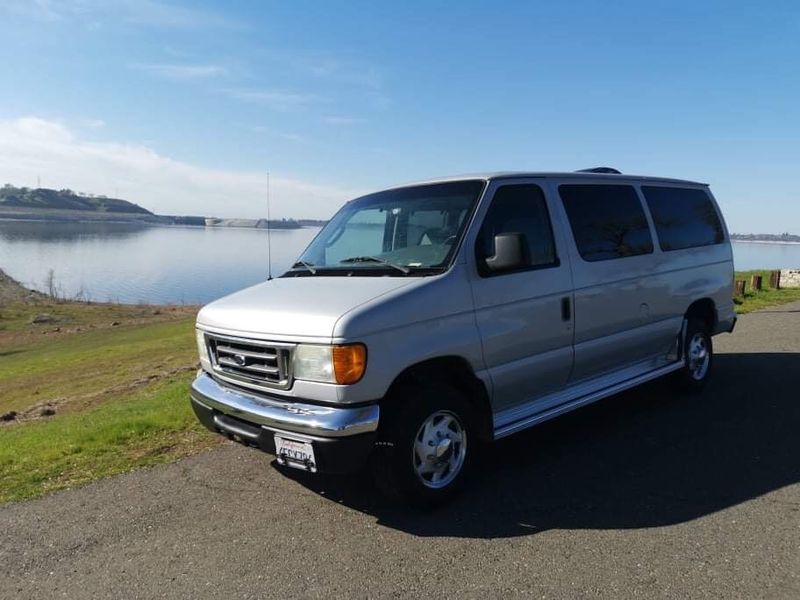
column 551, row 174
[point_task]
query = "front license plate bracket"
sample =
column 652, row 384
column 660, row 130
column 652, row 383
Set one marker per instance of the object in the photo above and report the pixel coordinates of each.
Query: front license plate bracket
column 297, row 454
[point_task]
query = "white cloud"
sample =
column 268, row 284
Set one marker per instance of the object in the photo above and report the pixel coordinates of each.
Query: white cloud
column 181, row 72
column 285, row 135
column 342, row 71
column 154, row 13
column 92, row 123
column 292, row 137
column 275, row 99
column 31, row 147
column 339, row 120
column 164, row 14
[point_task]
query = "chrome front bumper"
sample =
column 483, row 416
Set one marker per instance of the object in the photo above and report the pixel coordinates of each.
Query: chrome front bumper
column 282, row 416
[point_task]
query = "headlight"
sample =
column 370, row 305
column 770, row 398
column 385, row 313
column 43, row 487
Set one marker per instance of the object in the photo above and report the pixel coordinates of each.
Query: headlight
column 314, row 363
column 343, row 364
column 202, row 350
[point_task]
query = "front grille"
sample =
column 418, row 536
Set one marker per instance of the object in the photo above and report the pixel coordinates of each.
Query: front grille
column 253, row 363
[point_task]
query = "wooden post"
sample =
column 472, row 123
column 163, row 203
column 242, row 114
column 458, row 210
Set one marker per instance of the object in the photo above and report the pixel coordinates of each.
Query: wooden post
column 775, row 280
column 740, row 283
column 755, row 283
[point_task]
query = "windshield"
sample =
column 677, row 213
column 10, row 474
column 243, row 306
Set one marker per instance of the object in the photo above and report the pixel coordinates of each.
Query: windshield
column 396, row 232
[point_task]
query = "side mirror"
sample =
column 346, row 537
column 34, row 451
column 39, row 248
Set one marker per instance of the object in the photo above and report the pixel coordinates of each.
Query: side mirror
column 509, row 252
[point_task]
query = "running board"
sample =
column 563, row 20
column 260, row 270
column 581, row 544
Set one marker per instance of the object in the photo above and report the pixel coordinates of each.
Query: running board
column 568, row 406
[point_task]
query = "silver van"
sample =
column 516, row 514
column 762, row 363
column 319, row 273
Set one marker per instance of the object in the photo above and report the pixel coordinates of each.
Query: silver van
column 426, row 319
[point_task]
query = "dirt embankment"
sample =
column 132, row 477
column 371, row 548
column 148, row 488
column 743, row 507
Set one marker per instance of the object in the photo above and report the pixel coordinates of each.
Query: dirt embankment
column 11, row 291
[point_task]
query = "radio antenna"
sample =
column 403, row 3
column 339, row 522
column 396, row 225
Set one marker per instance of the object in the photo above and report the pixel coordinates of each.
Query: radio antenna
column 269, row 235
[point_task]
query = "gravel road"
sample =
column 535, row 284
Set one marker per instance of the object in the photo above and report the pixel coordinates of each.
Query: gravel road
column 642, row 495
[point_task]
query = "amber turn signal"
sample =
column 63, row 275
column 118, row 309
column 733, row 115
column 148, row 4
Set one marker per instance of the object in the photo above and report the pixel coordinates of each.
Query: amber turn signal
column 349, row 363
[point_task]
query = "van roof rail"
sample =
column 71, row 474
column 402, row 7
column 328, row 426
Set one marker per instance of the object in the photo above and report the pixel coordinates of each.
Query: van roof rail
column 600, row 170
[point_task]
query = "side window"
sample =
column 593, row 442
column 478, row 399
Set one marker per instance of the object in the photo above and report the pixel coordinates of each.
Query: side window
column 518, row 209
column 684, row 217
column 607, row 221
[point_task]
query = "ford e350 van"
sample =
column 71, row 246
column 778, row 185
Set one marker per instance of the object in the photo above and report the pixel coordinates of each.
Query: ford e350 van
column 426, row 318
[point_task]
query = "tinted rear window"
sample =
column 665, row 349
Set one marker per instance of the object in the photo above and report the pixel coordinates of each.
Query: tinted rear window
column 684, row 218
column 607, row 221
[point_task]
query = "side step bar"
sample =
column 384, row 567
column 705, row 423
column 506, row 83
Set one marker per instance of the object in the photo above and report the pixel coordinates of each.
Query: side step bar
column 570, row 405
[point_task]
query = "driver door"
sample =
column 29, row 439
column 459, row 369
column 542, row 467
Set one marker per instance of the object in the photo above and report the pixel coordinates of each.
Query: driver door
column 524, row 316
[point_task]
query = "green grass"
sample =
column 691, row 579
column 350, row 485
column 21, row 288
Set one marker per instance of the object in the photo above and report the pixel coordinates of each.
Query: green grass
column 79, row 368
column 17, row 316
column 97, row 390
column 152, row 425
column 755, row 300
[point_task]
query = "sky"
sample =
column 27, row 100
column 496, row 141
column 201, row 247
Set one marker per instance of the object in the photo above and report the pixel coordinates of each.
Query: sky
column 184, row 107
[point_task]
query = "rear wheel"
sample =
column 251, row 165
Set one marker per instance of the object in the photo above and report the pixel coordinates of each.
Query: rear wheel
column 426, row 445
column 698, row 354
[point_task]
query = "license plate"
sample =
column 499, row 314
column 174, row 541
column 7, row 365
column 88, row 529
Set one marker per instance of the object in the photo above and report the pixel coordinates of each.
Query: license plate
column 292, row 453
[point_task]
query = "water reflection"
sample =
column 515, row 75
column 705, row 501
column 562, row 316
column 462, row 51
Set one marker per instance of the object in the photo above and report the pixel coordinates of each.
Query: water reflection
column 129, row 263
column 44, row 232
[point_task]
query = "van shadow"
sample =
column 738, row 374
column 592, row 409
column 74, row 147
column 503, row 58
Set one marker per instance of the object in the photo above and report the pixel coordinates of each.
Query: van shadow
column 644, row 458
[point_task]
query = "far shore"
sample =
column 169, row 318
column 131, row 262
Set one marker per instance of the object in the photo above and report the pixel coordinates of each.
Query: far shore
column 778, row 242
column 149, row 220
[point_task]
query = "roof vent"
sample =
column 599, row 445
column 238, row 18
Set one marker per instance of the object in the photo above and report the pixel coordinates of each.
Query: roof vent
column 610, row 170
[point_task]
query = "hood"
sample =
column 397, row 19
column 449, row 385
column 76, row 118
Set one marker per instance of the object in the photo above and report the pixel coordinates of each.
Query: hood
column 295, row 306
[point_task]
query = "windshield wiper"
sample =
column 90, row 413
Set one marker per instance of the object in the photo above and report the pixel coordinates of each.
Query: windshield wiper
column 362, row 259
column 302, row 263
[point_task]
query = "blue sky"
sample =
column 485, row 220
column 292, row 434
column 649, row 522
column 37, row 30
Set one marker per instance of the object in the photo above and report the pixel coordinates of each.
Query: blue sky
column 184, row 106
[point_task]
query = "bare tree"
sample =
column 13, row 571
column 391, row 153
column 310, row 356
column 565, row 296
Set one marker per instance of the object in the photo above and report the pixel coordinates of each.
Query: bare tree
column 50, row 285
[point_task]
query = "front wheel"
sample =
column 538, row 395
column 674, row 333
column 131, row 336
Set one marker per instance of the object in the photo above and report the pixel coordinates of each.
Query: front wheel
column 698, row 354
column 425, row 448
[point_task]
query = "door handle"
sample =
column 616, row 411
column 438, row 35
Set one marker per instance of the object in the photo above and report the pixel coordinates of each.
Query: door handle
column 566, row 309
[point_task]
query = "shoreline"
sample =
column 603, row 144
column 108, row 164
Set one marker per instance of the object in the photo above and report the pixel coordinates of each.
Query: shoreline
column 13, row 292
column 30, row 219
column 147, row 223
column 770, row 242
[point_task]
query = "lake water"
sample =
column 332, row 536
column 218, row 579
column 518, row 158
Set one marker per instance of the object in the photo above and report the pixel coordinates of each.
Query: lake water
column 134, row 263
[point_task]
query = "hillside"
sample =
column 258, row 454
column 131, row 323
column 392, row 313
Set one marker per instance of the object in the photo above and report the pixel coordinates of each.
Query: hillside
column 11, row 292
column 42, row 198
column 43, row 204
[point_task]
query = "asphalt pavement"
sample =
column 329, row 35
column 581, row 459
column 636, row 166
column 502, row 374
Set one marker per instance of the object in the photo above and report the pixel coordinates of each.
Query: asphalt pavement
column 643, row 495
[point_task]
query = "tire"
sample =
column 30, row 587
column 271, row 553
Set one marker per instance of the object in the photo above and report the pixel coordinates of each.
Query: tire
column 698, row 356
column 425, row 448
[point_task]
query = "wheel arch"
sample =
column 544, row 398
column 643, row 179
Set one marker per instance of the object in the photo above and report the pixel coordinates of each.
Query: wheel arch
column 703, row 309
column 456, row 371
